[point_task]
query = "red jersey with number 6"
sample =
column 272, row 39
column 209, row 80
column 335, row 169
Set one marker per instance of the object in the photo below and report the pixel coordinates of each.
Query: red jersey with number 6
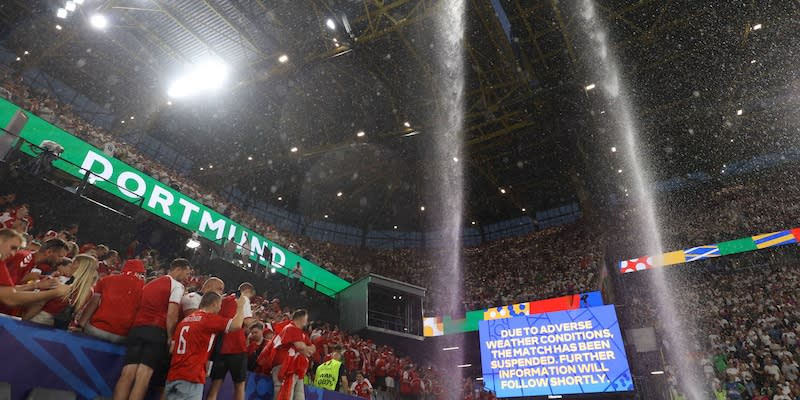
column 193, row 338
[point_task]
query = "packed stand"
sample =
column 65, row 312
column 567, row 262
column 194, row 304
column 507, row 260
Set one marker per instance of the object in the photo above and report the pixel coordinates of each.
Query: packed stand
column 138, row 300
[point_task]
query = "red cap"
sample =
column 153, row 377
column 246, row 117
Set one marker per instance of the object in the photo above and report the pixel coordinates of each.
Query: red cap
column 133, row 265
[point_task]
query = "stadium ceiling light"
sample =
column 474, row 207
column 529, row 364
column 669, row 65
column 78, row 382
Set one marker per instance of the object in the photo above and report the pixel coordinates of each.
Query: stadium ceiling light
column 123, row 121
column 210, row 166
column 422, row 208
column 132, row 117
column 756, row 27
column 202, row 169
column 283, row 58
column 326, row 216
column 339, row 194
column 450, row 348
column 280, row 198
column 249, row 158
column 193, row 242
column 613, row 149
column 463, row 365
column 474, row 222
column 208, row 76
column 360, row 133
column 395, row 227
column 61, row 13
column 590, row 86
column 619, row 171
column 503, row 191
column 412, row 133
column 739, row 112
column 272, row 270
column 656, row 372
column 19, row 58
column 752, row 61
column 293, row 149
column 70, row 6
column 455, row 159
column 523, row 210
column 479, row 379
column 407, row 124
column 330, row 24
column 98, row 21
column 78, row 2
column 26, row 52
column 58, row 27
column 554, row 396
column 169, row 103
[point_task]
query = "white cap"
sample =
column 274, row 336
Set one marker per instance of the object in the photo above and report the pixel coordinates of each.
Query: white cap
column 191, row 301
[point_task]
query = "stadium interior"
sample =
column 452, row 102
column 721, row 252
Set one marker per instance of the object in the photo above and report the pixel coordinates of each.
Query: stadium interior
column 617, row 179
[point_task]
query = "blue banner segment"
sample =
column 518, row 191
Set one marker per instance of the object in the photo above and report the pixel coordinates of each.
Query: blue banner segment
column 564, row 352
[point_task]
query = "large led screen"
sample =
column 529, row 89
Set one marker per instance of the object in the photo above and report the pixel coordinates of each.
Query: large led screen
column 563, row 352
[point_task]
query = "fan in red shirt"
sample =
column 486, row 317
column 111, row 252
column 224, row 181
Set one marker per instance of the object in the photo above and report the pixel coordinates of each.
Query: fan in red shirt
column 10, row 241
column 192, row 341
column 293, row 348
column 255, row 344
column 233, row 351
column 361, row 387
column 110, row 313
column 151, row 332
column 59, row 312
column 26, row 265
column 17, row 218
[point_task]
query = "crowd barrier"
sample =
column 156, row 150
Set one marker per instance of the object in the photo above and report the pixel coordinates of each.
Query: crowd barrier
column 37, row 356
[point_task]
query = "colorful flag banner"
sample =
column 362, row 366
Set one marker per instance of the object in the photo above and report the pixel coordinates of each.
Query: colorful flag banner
column 701, row 252
column 773, row 239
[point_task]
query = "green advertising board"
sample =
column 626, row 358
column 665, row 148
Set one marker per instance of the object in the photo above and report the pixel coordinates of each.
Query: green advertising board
column 133, row 186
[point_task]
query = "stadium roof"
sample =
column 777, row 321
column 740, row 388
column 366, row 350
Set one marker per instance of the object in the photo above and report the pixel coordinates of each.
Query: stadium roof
column 710, row 83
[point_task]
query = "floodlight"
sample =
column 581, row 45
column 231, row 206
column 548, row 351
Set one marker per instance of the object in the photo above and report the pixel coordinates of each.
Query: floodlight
column 193, row 242
column 330, row 24
column 203, row 77
column 70, row 6
column 98, row 21
column 61, row 13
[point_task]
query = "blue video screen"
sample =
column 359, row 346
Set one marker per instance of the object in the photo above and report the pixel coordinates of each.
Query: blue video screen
column 564, row 352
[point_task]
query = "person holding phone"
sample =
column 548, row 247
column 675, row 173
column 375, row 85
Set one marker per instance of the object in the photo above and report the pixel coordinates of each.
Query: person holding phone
column 232, row 355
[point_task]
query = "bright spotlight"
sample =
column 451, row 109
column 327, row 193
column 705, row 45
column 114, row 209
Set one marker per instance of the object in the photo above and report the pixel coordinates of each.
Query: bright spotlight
column 463, row 365
column 78, row 2
column 395, row 227
column 293, row 149
column 18, row 58
column 58, row 27
column 61, row 13
column 613, row 149
column 523, row 210
column 330, row 24
column 326, row 216
column 756, row 27
column 280, row 198
column 422, row 208
column 619, row 171
column 193, row 242
column 70, row 6
column 455, row 159
column 249, row 158
column 26, row 52
column 339, row 194
column 590, row 86
column 203, row 77
column 503, row 191
column 272, row 270
column 98, row 21
column 656, row 372
column 474, row 223
column 739, row 112
column 283, row 59
column 360, row 134
column 407, row 124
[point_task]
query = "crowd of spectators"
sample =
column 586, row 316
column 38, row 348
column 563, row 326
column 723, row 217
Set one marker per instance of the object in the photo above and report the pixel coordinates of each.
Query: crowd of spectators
column 53, row 279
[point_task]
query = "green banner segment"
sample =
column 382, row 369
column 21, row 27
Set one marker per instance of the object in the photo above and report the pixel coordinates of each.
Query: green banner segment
column 737, row 246
column 134, row 186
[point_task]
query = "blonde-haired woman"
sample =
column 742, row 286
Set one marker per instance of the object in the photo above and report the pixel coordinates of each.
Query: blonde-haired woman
column 59, row 311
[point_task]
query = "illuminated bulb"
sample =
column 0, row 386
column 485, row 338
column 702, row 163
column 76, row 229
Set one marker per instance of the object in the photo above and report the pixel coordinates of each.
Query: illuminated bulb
column 503, row 191
column 613, row 149
column 26, row 52
column 407, row 124
column 739, row 112
column 70, row 6
column 360, row 134
column 61, row 13
column 132, row 117
column 455, row 159
column 58, row 27
column 339, row 194
column 280, row 198
column 756, row 27
column 523, row 210
column 590, row 86
column 210, row 166
column 619, row 171
column 330, row 24
column 326, row 215
column 18, row 59
column 473, row 222
column 293, row 149
column 250, row 158
column 283, row 59
column 395, row 227
column 98, row 21
column 422, row 208
column 169, row 103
